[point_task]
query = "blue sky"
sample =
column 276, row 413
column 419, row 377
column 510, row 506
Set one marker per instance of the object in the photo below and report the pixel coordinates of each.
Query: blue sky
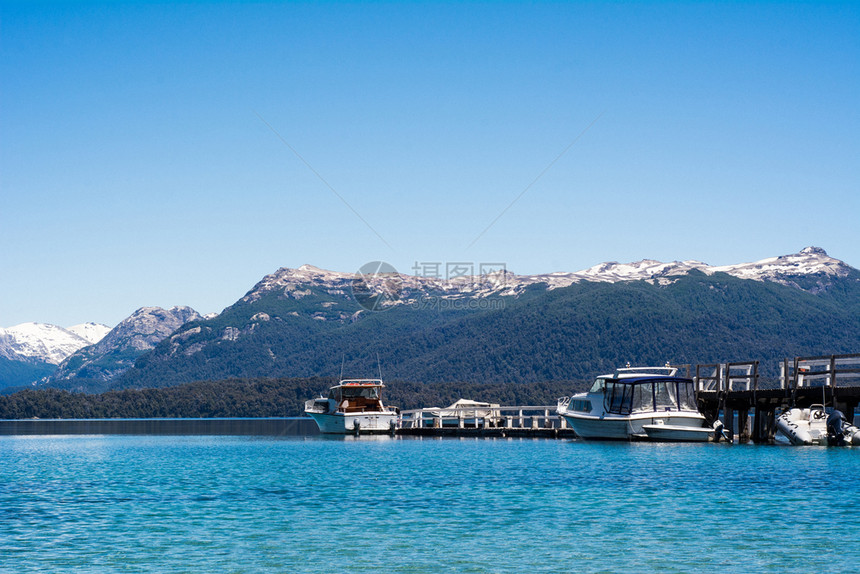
column 138, row 165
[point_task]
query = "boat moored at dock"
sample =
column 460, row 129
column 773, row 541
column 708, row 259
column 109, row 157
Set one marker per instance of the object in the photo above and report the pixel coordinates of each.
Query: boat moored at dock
column 815, row 426
column 641, row 403
column 354, row 406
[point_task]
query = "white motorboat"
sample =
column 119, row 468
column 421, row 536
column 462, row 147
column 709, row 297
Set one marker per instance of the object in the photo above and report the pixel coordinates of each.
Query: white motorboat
column 353, row 406
column 814, row 426
column 640, row 403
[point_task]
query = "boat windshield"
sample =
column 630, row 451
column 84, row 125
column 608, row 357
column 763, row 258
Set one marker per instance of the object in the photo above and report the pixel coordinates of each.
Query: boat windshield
column 598, row 385
column 355, row 392
column 626, row 397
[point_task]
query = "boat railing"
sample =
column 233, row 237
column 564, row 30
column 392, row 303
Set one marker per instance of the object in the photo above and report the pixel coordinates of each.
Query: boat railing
column 563, row 403
column 519, row 417
column 371, row 409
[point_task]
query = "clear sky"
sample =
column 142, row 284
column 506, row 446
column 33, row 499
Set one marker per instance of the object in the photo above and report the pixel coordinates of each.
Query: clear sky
column 146, row 149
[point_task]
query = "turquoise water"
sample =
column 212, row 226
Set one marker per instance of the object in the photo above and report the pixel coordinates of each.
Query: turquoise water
column 112, row 503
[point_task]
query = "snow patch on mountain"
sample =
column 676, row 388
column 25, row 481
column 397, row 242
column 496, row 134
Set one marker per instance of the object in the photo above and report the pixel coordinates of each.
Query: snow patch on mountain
column 92, row 332
column 810, row 261
column 39, row 342
column 296, row 283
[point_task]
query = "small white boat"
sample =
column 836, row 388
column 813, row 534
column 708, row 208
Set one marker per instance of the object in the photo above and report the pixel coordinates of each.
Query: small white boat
column 353, row 406
column 678, row 433
column 814, row 426
column 641, row 403
column 468, row 412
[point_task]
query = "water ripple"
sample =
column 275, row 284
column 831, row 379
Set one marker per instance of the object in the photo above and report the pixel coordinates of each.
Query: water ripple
column 246, row 504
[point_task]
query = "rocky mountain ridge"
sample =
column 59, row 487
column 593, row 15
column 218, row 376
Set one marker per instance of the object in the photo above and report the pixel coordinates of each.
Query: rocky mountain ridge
column 784, row 269
column 117, row 350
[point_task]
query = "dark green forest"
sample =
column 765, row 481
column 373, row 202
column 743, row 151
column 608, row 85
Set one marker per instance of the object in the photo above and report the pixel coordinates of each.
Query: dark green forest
column 13, row 373
column 256, row 398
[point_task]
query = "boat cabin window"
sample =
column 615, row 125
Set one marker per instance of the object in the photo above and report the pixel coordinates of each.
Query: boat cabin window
column 664, row 397
column 643, row 398
column 687, row 398
column 356, row 392
column 339, row 394
column 580, row 405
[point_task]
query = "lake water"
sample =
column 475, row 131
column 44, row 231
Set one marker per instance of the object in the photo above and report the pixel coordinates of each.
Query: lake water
column 145, row 503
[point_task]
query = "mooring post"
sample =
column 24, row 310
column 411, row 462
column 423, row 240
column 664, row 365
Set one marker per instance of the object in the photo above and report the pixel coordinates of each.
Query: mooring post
column 743, row 426
column 758, row 426
column 849, row 416
column 729, row 423
column 771, row 425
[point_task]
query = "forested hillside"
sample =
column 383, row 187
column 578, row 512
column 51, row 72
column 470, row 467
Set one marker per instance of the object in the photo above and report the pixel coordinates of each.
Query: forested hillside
column 255, row 398
column 567, row 333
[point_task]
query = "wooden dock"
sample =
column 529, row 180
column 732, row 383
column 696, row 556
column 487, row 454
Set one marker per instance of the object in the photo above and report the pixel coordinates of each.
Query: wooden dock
column 485, row 421
column 730, row 389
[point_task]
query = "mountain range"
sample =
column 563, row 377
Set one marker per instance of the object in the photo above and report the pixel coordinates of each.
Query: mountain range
column 30, row 351
column 495, row 327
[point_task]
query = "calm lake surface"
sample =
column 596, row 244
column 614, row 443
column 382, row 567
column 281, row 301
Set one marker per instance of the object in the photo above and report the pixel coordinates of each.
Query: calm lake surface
column 160, row 503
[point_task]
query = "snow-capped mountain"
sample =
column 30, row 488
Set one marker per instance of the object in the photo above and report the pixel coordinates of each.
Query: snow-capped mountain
column 47, row 343
column 118, row 349
column 92, row 332
column 785, row 269
column 810, row 261
column 502, row 326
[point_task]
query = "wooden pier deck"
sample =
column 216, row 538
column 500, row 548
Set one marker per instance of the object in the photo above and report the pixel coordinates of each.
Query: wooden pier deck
column 485, row 421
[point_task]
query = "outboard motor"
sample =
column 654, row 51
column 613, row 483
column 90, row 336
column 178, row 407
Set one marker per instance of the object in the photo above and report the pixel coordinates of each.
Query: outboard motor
column 719, row 431
column 835, row 424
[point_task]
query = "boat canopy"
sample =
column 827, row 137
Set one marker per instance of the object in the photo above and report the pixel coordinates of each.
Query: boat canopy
column 648, row 394
column 466, row 407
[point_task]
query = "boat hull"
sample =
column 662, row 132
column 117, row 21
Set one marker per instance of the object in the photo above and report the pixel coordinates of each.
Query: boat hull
column 685, row 426
column 676, row 433
column 351, row 423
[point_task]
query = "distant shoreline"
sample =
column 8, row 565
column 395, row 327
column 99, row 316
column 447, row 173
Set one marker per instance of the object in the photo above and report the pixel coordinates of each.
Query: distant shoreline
column 240, row 426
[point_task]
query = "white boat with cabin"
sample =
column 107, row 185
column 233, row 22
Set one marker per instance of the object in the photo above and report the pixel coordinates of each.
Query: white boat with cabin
column 639, row 403
column 353, row 406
